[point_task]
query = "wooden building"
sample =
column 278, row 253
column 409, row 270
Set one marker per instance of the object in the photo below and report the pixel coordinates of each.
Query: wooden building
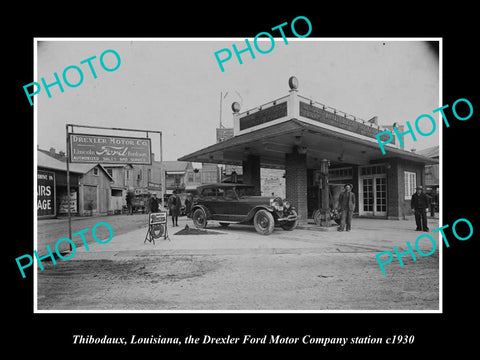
column 90, row 186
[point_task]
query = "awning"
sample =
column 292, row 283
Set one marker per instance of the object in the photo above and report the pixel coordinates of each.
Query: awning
column 273, row 142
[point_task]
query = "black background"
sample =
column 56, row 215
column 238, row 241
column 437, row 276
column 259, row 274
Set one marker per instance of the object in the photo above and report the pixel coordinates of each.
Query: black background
column 51, row 334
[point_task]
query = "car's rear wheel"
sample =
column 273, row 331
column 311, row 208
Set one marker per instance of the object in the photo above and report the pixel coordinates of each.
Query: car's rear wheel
column 199, row 218
column 290, row 225
column 264, row 222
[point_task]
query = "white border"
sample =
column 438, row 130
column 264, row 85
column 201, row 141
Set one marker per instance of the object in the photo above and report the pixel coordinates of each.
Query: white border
column 440, row 173
column 440, row 68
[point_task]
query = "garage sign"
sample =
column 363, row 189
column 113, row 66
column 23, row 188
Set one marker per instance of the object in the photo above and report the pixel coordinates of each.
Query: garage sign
column 45, row 193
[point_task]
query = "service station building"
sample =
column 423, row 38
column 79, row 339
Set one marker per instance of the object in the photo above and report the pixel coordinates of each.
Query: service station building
column 320, row 149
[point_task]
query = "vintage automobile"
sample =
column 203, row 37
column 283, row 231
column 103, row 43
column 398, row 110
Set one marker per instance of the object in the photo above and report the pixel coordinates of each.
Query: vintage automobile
column 236, row 204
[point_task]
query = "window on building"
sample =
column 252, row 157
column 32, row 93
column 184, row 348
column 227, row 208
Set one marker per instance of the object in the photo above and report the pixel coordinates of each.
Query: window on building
column 368, row 197
column 89, row 197
column 110, row 171
column 178, row 179
column 209, row 177
column 340, row 173
column 372, row 170
column 197, row 177
column 117, row 192
column 95, row 171
column 410, row 184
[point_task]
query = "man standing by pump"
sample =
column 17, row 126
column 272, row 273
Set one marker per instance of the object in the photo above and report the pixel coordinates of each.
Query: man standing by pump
column 346, row 204
column 419, row 206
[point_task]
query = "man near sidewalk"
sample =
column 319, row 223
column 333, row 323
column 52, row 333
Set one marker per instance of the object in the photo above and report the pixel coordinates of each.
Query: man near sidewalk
column 419, row 206
column 174, row 204
column 129, row 200
column 153, row 203
column 346, row 204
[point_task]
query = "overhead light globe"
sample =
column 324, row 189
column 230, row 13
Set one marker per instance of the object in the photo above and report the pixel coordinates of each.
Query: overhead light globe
column 235, row 107
column 293, row 83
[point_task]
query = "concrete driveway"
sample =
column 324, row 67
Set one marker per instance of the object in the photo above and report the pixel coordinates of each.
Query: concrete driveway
column 368, row 235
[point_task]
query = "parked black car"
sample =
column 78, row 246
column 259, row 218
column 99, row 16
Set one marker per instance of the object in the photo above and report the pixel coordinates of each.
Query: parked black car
column 235, row 203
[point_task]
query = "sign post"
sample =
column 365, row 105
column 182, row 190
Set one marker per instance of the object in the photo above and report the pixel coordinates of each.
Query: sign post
column 68, row 189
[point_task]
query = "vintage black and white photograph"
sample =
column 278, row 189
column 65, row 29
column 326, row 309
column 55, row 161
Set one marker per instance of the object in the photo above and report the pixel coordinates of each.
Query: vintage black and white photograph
column 265, row 174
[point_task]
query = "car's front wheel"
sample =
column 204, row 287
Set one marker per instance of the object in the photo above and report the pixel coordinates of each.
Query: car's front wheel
column 264, row 222
column 199, row 218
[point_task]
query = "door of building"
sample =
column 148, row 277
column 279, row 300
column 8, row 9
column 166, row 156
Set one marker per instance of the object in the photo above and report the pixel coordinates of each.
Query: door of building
column 373, row 195
column 103, row 200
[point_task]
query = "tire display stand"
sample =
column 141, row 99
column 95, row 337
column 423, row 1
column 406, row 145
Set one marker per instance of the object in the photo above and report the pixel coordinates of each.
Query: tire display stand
column 157, row 227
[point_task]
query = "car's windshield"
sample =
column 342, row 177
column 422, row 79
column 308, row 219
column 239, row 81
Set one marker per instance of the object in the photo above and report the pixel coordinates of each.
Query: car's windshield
column 245, row 191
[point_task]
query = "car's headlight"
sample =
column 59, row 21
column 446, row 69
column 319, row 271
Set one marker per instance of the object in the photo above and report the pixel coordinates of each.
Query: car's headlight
column 276, row 205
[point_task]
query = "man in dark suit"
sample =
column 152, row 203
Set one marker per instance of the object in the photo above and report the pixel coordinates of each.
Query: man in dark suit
column 419, row 206
column 153, row 203
column 346, row 204
column 174, row 205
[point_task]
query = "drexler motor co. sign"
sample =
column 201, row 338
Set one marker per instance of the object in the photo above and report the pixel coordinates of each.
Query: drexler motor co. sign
column 86, row 148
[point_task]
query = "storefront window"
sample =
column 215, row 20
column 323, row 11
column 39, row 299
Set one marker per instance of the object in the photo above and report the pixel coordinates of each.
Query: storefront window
column 410, row 184
column 368, row 199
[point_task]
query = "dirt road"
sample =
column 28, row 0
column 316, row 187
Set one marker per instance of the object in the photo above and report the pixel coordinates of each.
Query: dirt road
column 241, row 270
column 237, row 282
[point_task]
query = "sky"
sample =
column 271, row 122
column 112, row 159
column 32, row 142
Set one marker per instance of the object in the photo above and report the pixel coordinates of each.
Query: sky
column 175, row 85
